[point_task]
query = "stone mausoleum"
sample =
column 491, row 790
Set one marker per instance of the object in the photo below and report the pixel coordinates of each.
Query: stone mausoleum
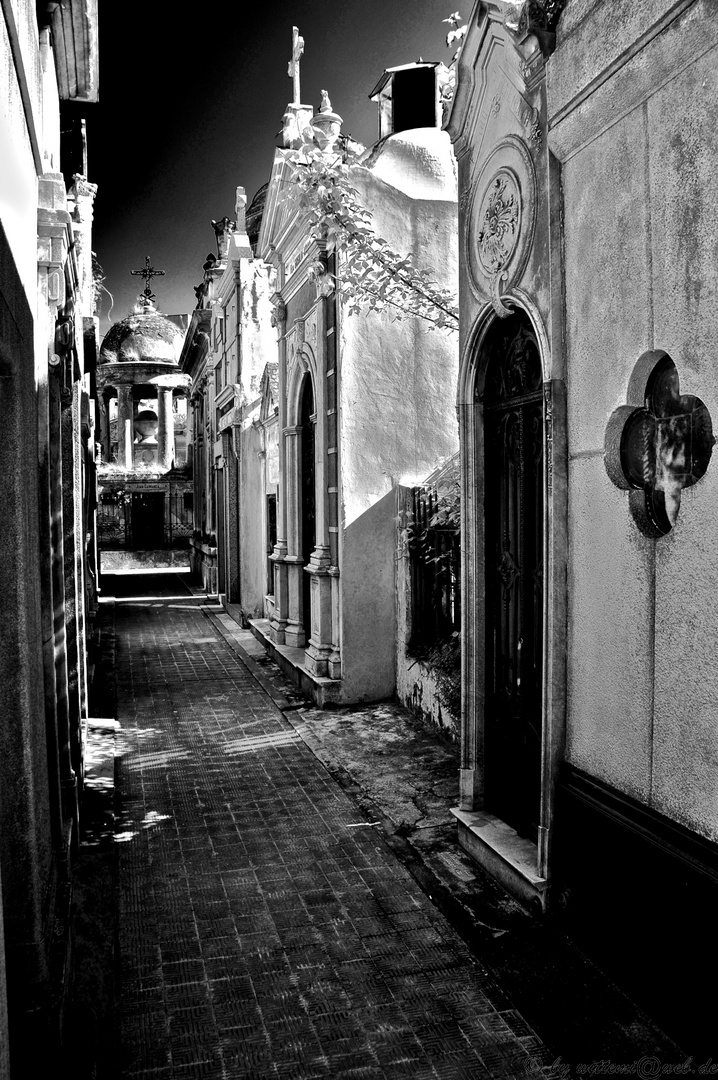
column 145, row 498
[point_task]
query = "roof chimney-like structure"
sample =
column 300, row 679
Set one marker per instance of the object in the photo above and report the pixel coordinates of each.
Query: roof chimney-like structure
column 409, row 97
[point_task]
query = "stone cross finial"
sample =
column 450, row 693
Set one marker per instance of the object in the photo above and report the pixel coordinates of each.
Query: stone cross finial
column 293, row 69
column 148, row 273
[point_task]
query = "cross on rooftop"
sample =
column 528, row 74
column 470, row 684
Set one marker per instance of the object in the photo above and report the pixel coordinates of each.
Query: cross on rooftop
column 148, row 273
column 293, row 69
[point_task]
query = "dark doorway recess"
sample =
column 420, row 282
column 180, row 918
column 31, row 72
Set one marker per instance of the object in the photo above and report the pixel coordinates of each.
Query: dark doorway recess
column 148, row 520
column 513, row 521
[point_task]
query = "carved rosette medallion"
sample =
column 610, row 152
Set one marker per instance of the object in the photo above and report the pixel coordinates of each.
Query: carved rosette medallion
column 500, row 216
column 501, row 222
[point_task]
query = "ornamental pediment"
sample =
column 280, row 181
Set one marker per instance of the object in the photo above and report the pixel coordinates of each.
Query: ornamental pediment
column 499, row 78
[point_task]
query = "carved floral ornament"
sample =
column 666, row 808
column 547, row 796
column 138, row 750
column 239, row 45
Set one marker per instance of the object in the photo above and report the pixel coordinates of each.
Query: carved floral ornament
column 501, row 215
column 659, row 447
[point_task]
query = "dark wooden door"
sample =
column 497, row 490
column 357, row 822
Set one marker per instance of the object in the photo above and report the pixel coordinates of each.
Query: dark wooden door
column 513, row 508
column 309, row 498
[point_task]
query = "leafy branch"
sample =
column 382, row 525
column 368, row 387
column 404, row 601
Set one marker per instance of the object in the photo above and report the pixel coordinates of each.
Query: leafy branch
column 454, row 40
column 373, row 275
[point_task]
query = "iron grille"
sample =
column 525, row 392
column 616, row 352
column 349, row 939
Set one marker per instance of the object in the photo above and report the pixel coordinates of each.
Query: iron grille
column 435, row 562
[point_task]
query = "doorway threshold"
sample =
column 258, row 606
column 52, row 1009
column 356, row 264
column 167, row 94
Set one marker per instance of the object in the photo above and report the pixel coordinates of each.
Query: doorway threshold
column 506, row 856
column 291, row 662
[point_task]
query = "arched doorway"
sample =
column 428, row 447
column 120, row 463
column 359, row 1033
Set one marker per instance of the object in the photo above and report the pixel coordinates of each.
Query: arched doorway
column 512, row 408
column 308, row 494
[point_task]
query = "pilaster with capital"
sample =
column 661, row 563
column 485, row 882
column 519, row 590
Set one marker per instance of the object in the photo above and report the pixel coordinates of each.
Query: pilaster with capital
column 295, row 634
column 125, row 425
column 165, row 428
column 81, row 200
column 319, row 634
column 280, row 614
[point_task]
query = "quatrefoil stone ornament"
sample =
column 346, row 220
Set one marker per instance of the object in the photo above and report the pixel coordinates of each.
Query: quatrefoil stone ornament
column 657, row 444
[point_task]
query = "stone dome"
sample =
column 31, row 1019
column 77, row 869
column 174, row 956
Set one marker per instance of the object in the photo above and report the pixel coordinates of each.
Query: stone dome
column 143, row 337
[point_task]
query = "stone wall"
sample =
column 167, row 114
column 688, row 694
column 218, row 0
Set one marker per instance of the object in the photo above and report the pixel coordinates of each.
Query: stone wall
column 397, row 397
column 632, row 113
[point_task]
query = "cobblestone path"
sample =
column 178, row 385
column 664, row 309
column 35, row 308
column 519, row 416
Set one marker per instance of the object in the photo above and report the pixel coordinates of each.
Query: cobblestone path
column 266, row 930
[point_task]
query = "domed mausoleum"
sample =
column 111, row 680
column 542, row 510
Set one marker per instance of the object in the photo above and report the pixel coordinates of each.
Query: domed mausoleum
column 138, row 374
column 146, row 486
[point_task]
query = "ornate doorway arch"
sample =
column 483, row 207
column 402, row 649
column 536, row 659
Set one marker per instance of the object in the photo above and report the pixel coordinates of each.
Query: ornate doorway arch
column 512, row 399
column 512, row 422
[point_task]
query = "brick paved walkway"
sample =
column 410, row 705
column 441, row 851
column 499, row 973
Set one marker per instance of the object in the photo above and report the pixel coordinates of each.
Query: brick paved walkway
column 265, row 929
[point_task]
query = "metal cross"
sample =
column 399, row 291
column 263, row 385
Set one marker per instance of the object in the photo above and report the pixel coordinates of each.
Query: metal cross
column 293, row 69
column 148, row 273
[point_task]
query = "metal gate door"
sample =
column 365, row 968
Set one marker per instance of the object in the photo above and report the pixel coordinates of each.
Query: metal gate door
column 513, row 508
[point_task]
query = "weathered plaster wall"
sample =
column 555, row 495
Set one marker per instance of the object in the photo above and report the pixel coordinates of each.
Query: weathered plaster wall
column 26, row 788
column 251, row 343
column 638, row 152
column 368, row 604
column 18, row 187
column 253, row 548
column 397, row 386
column 259, row 339
column 398, row 380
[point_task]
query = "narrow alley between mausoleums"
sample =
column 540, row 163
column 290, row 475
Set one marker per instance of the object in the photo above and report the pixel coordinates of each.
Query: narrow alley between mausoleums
column 359, row 498
column 269, row 917
column 265, row 927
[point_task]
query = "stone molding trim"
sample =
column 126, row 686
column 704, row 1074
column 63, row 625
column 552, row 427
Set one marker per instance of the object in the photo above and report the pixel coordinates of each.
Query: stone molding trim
column 467, row 372
column 501, row 222
column 658, row 443
column 693, row 852
column 522, row 30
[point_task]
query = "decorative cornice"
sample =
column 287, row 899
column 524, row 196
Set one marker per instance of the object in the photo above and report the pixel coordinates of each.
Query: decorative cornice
column 528, row 25
column 279, row 312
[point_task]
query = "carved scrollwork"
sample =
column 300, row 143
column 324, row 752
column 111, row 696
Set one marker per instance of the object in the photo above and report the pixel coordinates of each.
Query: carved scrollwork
column 495, row 289
column 279, row 310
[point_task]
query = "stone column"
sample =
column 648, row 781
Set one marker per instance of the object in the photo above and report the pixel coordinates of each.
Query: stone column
column 73, row 577
column 294, row 634
column 125, row 427
column 471, row 774
column 104, row 421
column 232, row 555
column 68, row 776
column 319, row 633
column 280, row 613
column 334, row 664
column 165, row 429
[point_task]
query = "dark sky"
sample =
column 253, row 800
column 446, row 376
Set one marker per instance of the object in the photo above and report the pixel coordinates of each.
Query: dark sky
column 190, row 107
